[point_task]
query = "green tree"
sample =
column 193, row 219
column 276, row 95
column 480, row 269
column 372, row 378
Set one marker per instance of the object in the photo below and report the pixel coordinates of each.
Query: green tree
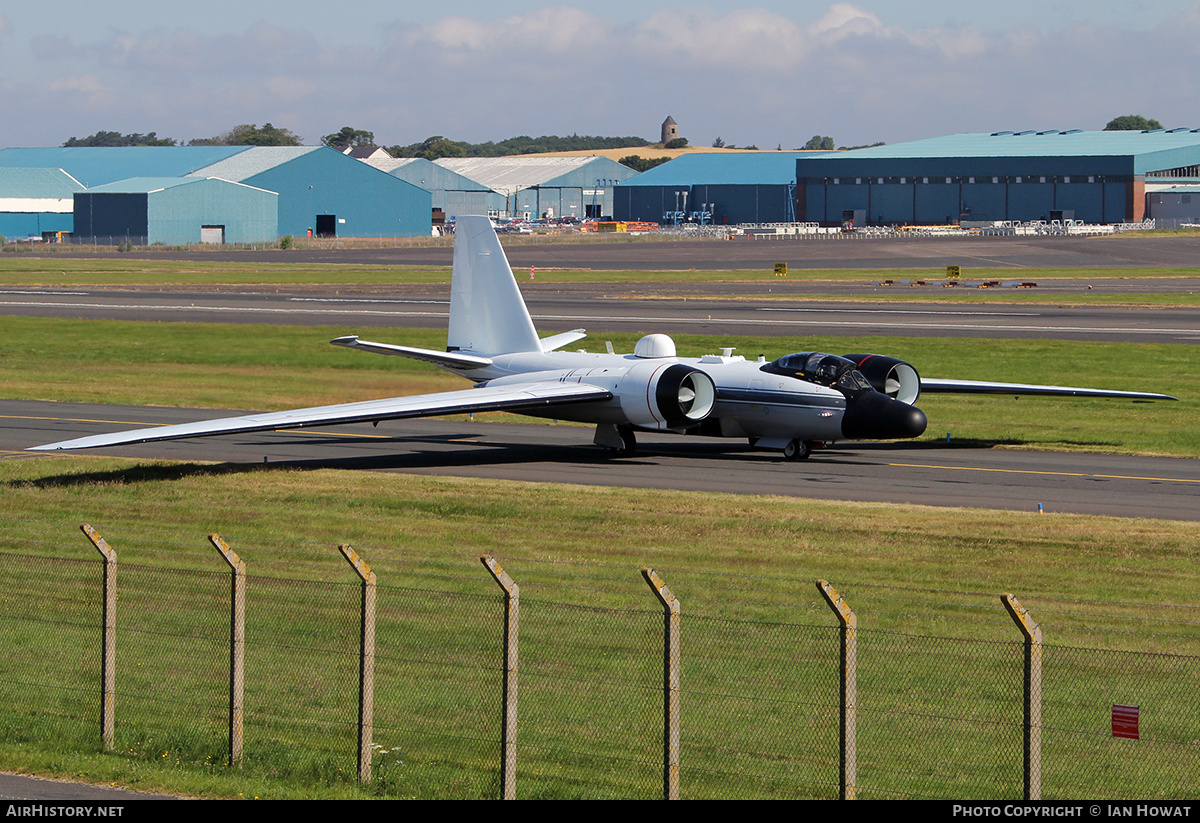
column 347, row 137
column 250, row 135
column 677, row 143
column 819, row 143
column 1132, row 122
column 438, row 146
column 639, row 163
column 113, row 138
column 718, row 143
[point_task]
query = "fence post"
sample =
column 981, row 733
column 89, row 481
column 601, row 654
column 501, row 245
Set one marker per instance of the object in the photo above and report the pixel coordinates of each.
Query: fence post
column 366, row 669
column 108, row 643
column 1033, row 694
column 670, row 605
column 237, row 646
column 508, row 724
column 848, row 704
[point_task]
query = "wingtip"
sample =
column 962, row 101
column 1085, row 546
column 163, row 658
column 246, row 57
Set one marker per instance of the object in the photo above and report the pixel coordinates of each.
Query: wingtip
column 346, row 340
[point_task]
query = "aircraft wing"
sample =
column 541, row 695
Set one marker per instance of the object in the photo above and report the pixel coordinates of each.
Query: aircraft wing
column 512, row 397
column 935, row 385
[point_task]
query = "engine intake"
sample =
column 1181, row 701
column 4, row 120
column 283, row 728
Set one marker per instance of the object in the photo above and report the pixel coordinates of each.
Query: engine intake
column 683, row 395
column 895, row 378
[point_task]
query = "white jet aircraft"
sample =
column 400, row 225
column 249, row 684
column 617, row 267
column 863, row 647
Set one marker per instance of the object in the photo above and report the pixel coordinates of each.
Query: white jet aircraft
column 789, row 404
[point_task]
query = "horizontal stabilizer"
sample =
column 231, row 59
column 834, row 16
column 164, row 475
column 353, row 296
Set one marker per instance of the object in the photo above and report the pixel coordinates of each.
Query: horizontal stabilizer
column 512, row 397
column 934, row 385
column 445, row 359
column 557, row 341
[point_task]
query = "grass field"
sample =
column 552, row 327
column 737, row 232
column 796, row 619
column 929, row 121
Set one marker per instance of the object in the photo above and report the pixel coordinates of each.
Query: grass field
column 925, row 583
column 1115, row 597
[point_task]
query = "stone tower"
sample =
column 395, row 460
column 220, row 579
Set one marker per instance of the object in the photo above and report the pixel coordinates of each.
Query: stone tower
column 670, row 129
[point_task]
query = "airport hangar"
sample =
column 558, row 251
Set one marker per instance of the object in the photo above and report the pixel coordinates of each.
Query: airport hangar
column 453, row 194
column 36, row 202
column 744, row 187
column 546, row 185
column 1095, row 177
column 318, row 189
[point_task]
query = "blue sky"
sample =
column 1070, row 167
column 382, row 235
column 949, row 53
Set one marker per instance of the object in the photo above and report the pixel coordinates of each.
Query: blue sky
column 767, row 73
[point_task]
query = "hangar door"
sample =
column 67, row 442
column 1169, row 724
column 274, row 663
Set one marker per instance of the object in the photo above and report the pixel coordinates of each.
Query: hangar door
column 326, row 225
column 212, row 234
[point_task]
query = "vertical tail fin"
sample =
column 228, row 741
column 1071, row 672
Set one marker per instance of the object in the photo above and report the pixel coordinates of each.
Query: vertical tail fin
column 487, row 313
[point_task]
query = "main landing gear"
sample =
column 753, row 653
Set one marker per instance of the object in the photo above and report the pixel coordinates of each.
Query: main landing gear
column 792, row 449
column 797, row 449
column 619, row 440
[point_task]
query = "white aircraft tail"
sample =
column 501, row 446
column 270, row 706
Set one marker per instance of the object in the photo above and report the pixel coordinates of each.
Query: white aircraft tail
column 487, row 314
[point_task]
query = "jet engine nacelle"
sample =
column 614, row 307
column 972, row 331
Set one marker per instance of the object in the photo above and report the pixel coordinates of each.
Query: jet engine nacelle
column 649, row 395
column 663, row 395
column 892, row 377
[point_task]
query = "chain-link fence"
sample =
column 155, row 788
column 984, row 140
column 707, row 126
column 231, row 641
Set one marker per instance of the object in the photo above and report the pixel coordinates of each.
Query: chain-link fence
column 917, row 694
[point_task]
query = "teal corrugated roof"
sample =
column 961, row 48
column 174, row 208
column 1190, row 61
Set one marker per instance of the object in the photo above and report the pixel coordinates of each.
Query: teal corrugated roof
column 426, row 174
column 717, row 169
column 512, row 174
column 97, row 166
column 1046, row 143
column 141, row 185
column 37, row 184
column 255, row 160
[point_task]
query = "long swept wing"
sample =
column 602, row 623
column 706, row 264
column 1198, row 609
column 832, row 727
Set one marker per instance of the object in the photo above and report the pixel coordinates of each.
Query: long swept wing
column 519, row 397
column 934, row 385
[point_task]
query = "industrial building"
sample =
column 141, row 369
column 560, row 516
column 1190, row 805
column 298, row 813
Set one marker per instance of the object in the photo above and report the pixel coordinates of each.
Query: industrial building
column 1096, row 177
column 716, row 187
column 329, row 193
column 546, row 186
column 177, row 211
column 320, row 189
column 36, row 202
column 452, row 193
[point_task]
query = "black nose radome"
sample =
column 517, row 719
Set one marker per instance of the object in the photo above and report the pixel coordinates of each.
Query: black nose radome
column 875, row 416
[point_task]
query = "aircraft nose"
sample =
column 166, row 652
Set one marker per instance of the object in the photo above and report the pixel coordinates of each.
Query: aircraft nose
column 875, row 416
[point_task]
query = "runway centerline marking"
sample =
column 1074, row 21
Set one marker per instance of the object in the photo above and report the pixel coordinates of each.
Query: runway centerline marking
column 1048, row 473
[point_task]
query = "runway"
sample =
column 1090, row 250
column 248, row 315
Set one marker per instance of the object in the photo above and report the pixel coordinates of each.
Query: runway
column 748, row 309
column 652, row 254
column 906, row 473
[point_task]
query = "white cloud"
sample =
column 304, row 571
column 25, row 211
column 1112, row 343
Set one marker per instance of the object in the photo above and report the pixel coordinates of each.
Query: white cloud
column 751, row 76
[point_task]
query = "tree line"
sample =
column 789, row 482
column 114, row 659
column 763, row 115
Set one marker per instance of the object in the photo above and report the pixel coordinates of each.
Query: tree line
column 437, row 146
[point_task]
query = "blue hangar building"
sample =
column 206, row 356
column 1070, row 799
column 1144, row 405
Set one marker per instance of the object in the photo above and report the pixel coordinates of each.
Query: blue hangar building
column 1094, row 176
column 318, row 189
column 724, row 187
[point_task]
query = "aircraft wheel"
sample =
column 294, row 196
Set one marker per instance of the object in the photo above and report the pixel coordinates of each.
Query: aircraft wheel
column 628, row 443
column 797, row 450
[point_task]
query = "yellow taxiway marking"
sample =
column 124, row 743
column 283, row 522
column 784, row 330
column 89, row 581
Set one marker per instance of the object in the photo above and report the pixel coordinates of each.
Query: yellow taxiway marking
column 75, row 420
column 1052, row 474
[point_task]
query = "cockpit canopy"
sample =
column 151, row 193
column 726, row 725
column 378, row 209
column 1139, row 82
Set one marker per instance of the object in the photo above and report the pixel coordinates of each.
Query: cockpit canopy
column 823, row 369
